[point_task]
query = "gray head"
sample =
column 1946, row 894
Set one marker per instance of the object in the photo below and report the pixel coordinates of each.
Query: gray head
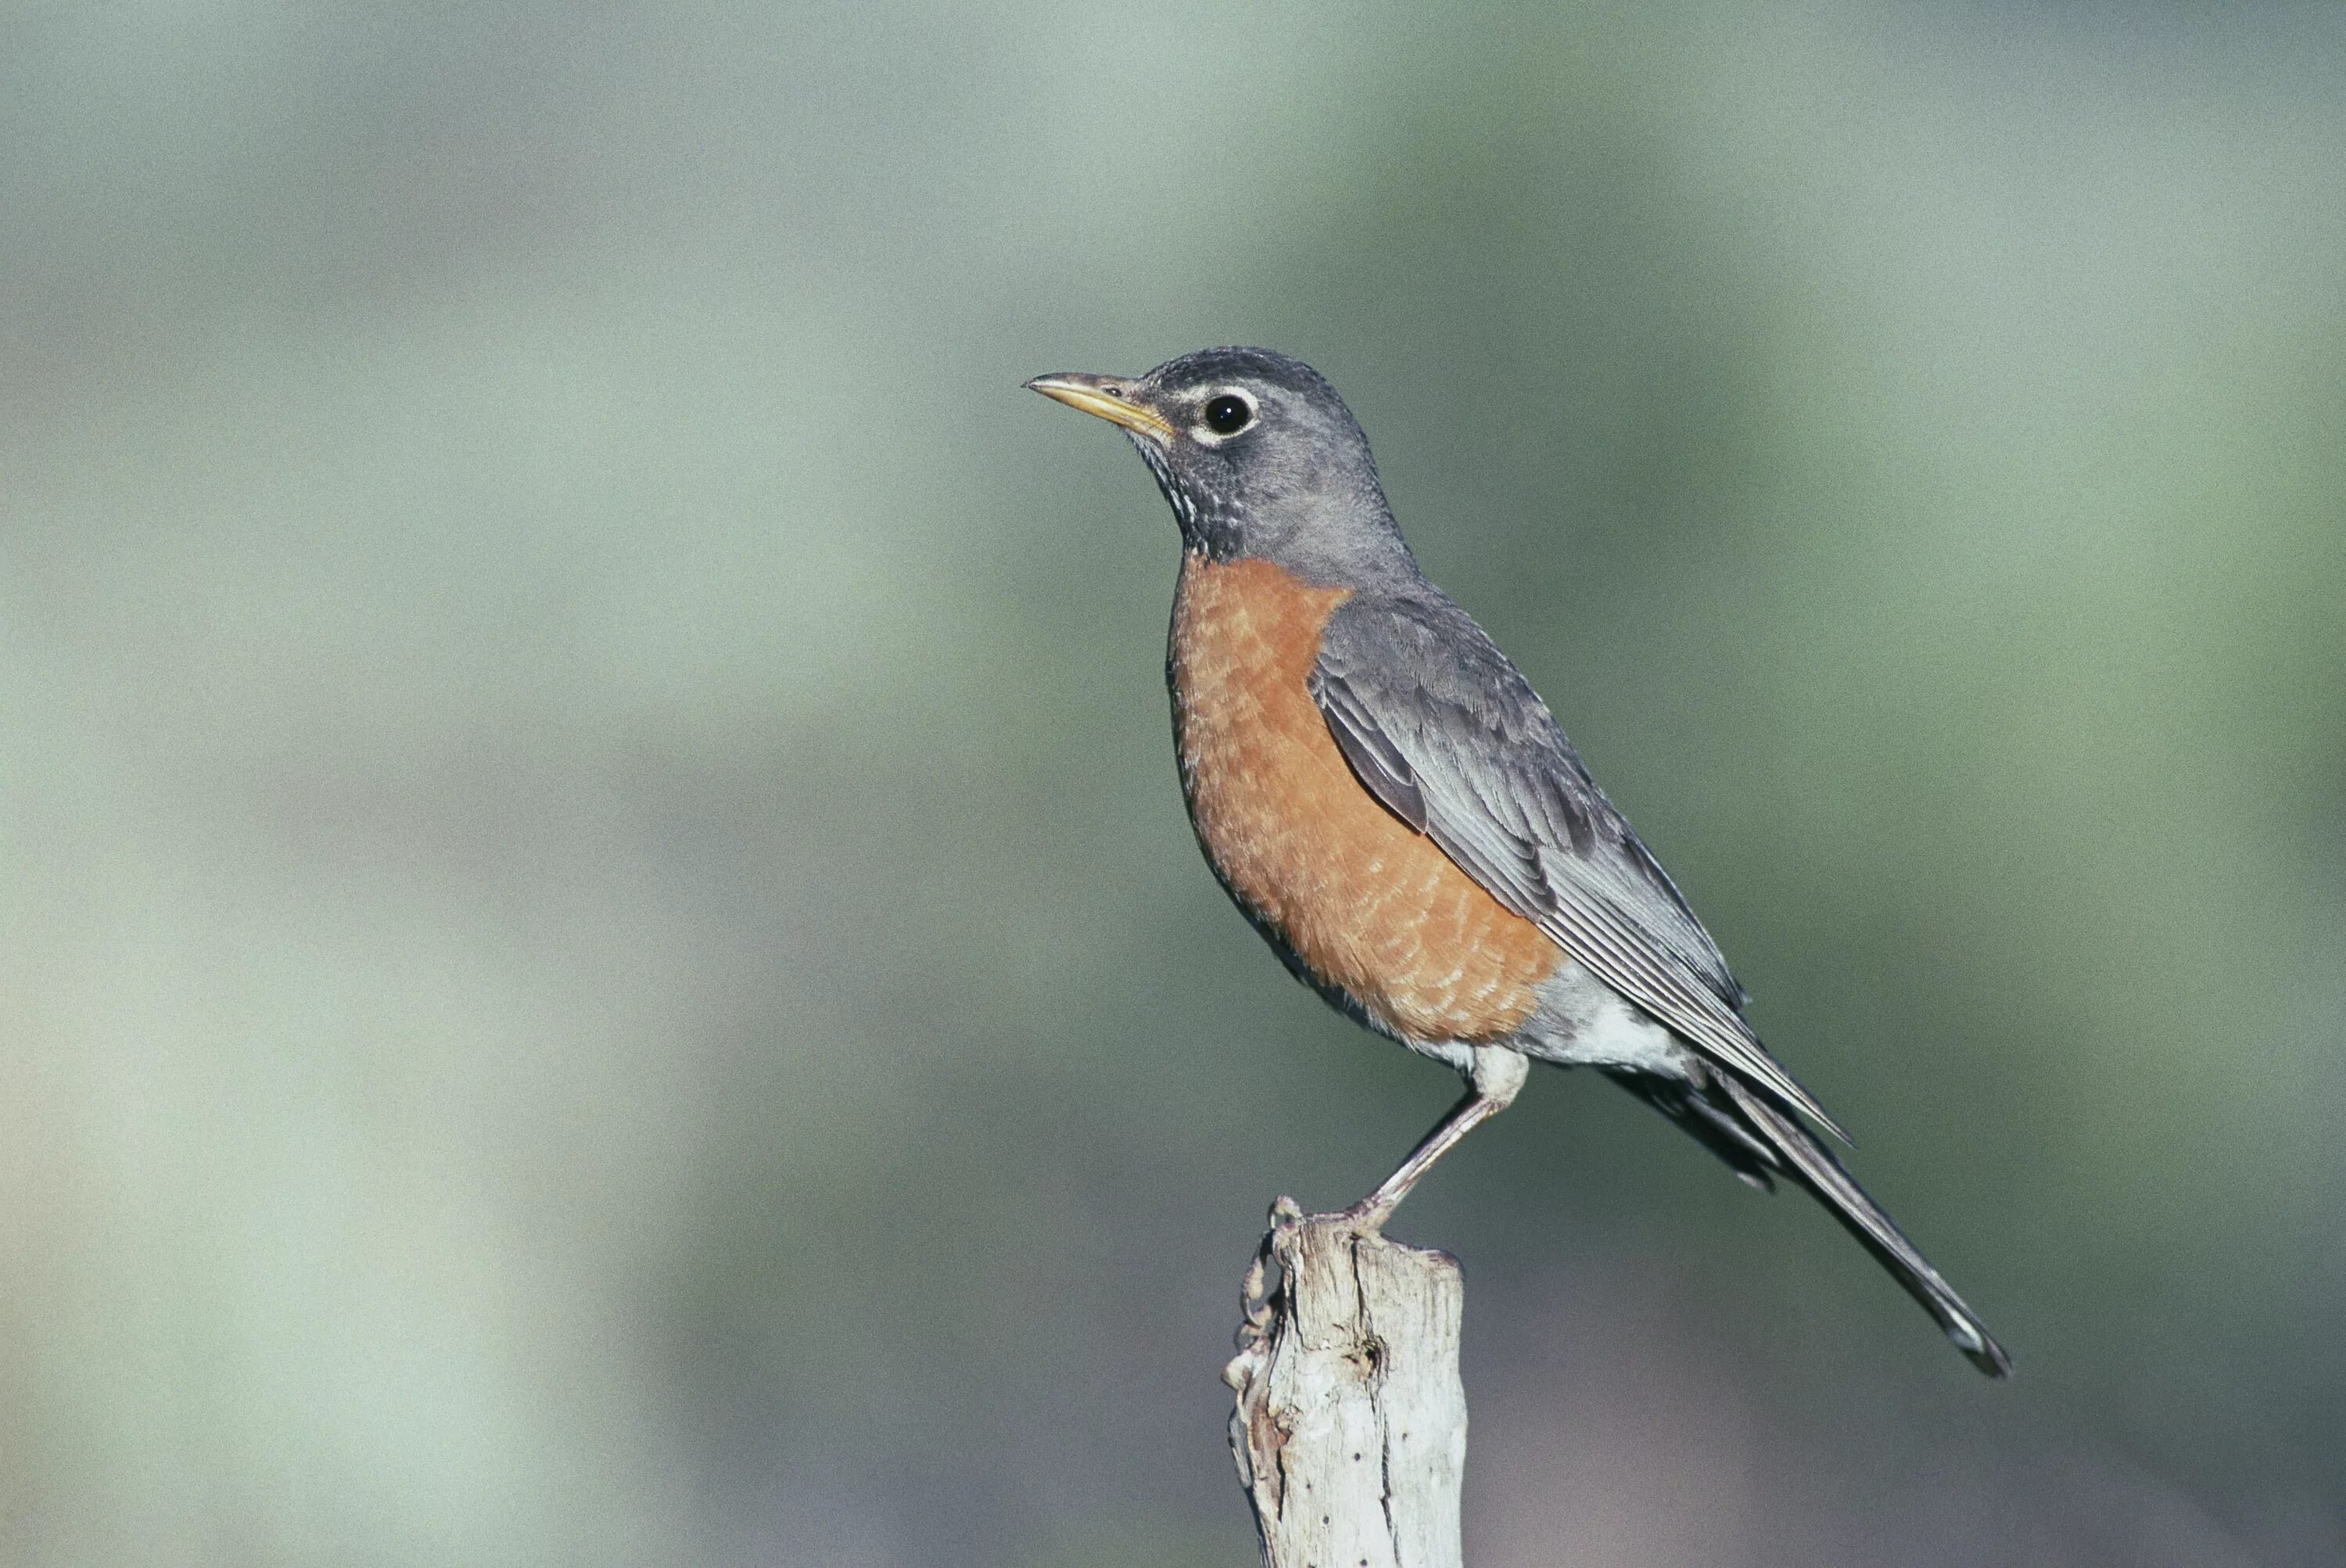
column 1259, row 459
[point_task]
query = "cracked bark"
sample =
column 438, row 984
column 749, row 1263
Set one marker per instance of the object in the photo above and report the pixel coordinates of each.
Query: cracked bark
column 1351, row 1426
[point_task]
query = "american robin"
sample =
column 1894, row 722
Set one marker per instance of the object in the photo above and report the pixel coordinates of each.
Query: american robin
column 1385, row 797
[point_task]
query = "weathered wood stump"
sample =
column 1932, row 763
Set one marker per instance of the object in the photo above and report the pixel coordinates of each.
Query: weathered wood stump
column 1350, row 1426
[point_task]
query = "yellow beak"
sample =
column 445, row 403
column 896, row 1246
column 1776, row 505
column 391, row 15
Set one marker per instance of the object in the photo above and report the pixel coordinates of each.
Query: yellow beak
column 1110, row 397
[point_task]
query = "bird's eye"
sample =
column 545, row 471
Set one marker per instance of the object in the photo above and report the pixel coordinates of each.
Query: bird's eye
column 1228, row 415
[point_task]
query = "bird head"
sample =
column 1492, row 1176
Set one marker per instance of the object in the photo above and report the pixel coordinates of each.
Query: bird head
column 1257, row 457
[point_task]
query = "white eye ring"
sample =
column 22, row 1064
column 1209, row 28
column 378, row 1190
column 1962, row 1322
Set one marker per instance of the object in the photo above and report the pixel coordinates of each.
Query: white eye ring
column 1219, row 419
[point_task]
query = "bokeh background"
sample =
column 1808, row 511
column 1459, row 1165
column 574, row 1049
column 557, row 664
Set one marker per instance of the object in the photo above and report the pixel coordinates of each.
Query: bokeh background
column 601, row 961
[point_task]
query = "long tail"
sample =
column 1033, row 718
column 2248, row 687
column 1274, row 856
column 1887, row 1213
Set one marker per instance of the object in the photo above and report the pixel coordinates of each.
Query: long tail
column 1807, row 1161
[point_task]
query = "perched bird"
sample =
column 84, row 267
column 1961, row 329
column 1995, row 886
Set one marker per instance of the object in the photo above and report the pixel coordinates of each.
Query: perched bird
column 1382, row 793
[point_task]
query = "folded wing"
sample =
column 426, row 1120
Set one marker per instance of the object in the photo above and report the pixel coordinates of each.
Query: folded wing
column 1441, row 728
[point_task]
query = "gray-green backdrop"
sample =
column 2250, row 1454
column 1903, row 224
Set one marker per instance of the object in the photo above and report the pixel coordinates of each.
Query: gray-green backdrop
column 598, row 958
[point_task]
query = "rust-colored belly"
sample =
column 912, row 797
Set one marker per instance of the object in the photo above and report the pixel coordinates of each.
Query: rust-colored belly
column 1370, row 906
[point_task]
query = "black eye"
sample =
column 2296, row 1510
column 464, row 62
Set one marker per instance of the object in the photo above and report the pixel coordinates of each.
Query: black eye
column 1228, row 415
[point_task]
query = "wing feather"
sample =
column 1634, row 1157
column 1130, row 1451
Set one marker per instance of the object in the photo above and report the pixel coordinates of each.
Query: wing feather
column 1447, row 732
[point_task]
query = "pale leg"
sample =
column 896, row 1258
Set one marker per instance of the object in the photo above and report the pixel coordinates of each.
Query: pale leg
column 1499, row 1075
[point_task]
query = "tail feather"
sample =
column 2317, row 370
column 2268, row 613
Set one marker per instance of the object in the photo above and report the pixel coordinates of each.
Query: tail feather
column 1814, row 1167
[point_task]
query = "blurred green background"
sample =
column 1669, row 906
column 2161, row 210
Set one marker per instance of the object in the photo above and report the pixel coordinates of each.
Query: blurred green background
column 602, row 964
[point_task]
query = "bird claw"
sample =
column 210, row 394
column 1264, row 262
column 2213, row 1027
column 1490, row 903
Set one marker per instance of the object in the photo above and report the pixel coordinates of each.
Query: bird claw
column 1257, row 1295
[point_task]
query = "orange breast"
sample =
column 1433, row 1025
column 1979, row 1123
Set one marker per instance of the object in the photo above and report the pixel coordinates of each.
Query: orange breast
column 1369, row 905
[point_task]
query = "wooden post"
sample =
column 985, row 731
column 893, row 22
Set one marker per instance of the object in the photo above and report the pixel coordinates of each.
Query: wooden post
column 1351, row 1426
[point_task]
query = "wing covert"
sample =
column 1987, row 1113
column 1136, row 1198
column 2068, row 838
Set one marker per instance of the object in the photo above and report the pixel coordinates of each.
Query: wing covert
column 1441, row 728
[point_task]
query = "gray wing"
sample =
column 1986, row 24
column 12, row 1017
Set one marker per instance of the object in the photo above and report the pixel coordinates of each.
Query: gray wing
column 1447, row 733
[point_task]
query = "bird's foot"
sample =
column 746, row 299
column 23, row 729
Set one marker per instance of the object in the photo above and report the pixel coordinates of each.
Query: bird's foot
column 1367, row 1217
